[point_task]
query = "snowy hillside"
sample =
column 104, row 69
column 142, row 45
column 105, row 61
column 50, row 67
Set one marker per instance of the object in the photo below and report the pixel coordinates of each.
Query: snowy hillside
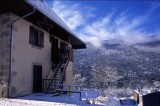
column 135, row 65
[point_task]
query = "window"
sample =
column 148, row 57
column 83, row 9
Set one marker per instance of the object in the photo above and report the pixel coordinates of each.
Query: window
column 36, row 37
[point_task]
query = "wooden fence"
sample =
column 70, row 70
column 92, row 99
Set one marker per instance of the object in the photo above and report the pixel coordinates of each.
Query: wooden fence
column 151, row 99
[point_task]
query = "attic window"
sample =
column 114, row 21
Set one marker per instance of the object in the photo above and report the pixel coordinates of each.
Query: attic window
column 36, row 37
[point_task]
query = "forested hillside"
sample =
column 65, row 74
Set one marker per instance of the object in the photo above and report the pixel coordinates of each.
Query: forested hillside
column 119, row 64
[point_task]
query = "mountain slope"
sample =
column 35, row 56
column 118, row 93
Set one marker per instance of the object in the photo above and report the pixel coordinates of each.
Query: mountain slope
column 137, row 64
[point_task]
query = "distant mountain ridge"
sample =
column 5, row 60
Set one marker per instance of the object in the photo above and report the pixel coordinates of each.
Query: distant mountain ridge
column 153, row 43
column 137, row 63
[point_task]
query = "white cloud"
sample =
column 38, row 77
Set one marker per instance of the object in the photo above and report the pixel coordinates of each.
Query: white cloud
column 94, row 40
column 122, row 26
column 155, row 5
column 107, row 28
column 72, row 14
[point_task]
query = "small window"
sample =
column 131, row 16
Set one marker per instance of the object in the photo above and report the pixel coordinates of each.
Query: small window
column 36, row 37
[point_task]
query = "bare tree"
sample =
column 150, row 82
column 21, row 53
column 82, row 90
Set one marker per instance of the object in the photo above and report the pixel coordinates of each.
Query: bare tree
column 78, row 79
column 103, row 76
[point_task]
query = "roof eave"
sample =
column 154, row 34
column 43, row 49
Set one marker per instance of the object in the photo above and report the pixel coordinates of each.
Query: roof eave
column 75, row 45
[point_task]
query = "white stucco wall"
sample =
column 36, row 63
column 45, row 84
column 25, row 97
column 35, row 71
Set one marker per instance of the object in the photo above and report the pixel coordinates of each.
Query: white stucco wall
column 25, row 55
column 69, row 74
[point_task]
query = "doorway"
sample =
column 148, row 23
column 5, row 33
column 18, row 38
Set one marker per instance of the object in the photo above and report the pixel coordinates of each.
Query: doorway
column 37, row 78
column 55, row 58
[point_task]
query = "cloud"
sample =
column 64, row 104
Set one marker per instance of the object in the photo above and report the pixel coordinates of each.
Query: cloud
column 94, row 40
column 113, row 25
column 155, row 5
column 108, row 28
column 73, row 15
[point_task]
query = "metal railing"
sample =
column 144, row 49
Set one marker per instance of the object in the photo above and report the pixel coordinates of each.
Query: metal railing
column 47, row 82
column 63, row 74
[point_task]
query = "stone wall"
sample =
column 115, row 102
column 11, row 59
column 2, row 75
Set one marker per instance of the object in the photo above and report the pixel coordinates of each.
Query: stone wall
column 4, row 52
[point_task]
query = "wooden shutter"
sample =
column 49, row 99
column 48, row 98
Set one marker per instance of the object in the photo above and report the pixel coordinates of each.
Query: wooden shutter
column 41, row 39
column 31, row 35
column 71, row 54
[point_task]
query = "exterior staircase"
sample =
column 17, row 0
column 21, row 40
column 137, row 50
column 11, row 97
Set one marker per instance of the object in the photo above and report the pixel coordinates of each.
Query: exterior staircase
column 54, row 81
column 57, row 77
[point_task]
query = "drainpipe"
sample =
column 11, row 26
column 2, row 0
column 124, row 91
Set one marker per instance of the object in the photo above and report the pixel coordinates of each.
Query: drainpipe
column 11, row 47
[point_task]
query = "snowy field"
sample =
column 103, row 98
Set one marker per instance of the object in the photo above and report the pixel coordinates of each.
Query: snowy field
column 41, row 99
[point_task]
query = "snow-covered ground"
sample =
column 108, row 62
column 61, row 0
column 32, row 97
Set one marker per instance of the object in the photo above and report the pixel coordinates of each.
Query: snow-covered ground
column 41, row 99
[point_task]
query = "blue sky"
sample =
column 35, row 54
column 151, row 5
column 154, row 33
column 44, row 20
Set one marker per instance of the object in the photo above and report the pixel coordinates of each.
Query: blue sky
column 95, row 21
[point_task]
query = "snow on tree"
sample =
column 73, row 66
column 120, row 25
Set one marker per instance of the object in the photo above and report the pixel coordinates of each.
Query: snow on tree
column 103, row 76
column 78, row 79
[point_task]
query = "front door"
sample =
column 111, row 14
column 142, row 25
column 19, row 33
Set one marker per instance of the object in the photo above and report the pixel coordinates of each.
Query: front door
column 37, row 78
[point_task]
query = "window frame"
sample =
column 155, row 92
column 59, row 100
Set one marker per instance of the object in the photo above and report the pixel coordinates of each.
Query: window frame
column 36, row 37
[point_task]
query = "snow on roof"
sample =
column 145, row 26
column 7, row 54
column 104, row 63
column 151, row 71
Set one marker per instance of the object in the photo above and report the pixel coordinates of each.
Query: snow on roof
column 48, row 11
column 44, row 8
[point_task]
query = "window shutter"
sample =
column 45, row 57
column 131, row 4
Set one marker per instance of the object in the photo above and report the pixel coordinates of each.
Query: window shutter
column 71, row 54
column 31, row 35
column 41, row 39
column 36, row 37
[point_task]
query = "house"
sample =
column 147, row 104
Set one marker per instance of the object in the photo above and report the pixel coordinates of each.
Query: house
column 36, row 48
